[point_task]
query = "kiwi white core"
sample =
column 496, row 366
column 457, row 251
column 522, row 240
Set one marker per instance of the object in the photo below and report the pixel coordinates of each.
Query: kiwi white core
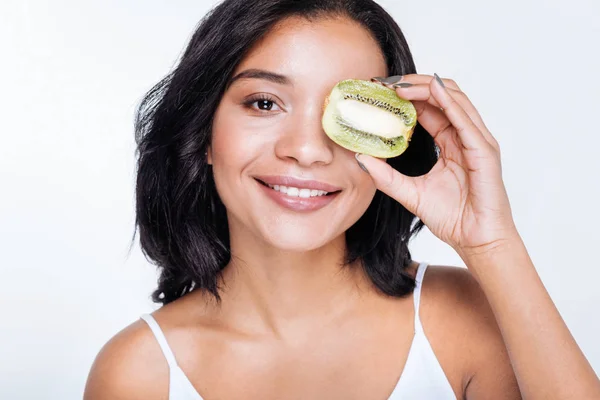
column 370, row 119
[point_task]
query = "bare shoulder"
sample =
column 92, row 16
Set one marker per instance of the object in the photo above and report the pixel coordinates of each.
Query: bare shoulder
column 129, row 366
column 454, row 283
column 456, row 309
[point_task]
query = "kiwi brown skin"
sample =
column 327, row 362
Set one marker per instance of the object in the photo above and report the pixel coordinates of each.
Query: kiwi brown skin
column 375, row 95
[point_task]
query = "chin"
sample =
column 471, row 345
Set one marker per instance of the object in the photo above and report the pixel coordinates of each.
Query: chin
column 297, row 240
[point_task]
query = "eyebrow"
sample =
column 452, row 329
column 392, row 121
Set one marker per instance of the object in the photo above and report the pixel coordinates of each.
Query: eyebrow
column 261, row 74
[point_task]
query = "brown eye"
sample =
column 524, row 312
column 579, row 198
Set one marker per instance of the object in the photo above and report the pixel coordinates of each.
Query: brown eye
column 265, row 105
column 261, row 103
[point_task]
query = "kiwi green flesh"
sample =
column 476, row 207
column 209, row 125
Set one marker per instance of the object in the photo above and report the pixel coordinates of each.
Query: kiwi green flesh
column 367, row 143
column 364, row 142
column 379, row 96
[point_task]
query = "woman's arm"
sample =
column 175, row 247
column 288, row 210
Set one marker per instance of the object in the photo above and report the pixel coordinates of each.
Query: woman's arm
column 463, row 202
column 546, row 359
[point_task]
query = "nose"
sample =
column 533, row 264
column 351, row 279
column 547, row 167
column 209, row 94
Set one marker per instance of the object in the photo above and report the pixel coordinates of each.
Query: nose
column 304, row 140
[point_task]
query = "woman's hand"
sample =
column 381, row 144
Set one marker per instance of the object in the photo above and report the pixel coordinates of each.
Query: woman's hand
column 462, row 200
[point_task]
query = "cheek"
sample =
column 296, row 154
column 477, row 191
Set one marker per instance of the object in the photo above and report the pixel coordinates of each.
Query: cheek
column 237, row 141
column 366, row 191
column 227, row 154
column 238, row 138
column 227, row 142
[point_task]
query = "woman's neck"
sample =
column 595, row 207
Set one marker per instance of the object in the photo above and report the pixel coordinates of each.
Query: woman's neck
column 288, row 293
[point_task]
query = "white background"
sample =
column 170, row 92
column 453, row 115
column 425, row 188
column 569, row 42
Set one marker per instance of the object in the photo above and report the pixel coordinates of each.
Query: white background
column 72, row 73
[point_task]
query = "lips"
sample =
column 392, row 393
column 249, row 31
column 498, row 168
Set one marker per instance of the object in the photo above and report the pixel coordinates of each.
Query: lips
column 293, row 203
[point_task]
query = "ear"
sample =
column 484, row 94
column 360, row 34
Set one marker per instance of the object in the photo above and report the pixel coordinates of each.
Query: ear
column 208, row 155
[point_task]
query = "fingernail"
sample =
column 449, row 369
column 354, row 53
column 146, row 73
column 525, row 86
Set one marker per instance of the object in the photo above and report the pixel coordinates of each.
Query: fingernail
column 403, row 85
column 361, row 165
column 390, row 80
column 437, row 78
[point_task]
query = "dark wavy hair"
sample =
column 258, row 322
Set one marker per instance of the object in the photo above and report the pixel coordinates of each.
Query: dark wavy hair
column 181, row 220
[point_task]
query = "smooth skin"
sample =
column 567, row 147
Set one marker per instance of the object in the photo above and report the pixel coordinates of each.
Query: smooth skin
column 463, row 201
column 292, row 324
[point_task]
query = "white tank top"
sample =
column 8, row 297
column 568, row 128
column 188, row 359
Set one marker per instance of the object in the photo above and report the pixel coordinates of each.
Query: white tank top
column 422, row 377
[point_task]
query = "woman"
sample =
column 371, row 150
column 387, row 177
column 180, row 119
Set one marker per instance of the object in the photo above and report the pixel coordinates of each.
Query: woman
column 267, row 295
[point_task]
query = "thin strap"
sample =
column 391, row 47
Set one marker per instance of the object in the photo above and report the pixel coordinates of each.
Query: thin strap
column 417, row 293
column 161, row 339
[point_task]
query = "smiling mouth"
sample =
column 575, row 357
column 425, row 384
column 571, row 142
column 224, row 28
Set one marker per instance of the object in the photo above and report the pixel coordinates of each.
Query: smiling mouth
column 292, row 191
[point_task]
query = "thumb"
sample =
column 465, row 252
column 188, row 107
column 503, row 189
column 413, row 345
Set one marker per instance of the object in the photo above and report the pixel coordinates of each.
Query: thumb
column 398, row 186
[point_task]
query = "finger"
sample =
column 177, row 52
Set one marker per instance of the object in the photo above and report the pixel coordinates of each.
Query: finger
column 420, row 90
column 420, row 85
column 400, row 187
column 470, row 135
column 432, row 118
column 438, row 125
column 415, row 79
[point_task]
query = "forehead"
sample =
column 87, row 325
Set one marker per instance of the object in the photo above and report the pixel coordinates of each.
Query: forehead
column 322, row 51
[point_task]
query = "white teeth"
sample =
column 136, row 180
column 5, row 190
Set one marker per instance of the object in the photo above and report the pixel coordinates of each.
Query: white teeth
column 304, row 193
column 298, row 192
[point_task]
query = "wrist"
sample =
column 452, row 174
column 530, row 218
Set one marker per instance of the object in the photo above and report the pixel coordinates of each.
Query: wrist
column 507, row 245
column 497, row 245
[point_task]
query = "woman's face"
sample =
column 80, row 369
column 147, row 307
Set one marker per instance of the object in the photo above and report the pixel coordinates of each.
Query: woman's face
column 267, row 130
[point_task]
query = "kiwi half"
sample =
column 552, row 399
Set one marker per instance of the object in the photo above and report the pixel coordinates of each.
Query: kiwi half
column 366, row 117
